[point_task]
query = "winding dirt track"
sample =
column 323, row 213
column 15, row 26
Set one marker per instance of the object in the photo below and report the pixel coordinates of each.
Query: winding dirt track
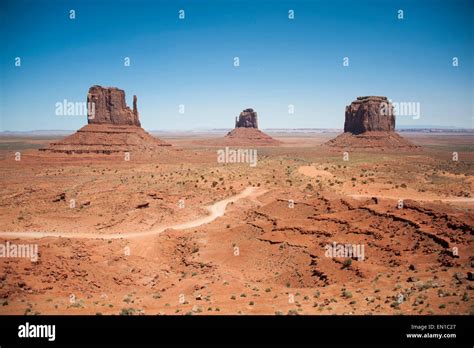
column 216, row 210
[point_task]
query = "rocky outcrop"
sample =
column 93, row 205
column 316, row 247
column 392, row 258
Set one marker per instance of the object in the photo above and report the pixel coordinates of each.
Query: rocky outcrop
column 367, row 114
column 370, row 125
column 245, row 133
column 109, row 107
column 247, row 119
column 112, row 128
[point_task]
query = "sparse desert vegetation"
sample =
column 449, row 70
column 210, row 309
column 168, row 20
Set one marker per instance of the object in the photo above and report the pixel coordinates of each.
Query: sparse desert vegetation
column 265, row 255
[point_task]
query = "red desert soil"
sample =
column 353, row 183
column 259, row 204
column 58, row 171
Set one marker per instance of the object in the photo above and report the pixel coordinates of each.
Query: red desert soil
column 259, row 250
column 215, row 210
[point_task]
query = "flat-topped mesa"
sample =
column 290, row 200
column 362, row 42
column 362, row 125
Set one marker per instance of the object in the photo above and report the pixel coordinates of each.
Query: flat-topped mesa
column 111, row 128
column 247, row 119
column 246, row 132
column 368, row 114
column 369, row 126
column 109, row 107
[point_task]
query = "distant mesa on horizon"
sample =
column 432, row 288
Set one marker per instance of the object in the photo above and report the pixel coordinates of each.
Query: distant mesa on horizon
column 370, row 124
column 112, row 127
column 247, row 119
column 246, row 132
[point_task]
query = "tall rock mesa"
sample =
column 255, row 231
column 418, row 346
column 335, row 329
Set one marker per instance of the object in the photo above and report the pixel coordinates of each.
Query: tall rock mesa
column 106, row 105
column 247, row 119
column 246, row 132
column 368, row 114
column 370, row 125
column 111, row 128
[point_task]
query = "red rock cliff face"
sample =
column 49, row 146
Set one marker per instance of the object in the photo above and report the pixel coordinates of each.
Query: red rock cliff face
column 110, row 107
column 247, row 119
column 369, row 114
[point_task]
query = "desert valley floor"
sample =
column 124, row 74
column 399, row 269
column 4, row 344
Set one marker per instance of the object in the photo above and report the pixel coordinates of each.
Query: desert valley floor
column 180, row 233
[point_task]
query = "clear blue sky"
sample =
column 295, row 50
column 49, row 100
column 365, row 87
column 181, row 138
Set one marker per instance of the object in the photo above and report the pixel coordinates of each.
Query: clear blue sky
column 282, row 61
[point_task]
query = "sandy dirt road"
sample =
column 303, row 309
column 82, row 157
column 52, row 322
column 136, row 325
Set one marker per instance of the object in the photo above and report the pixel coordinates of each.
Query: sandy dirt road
column 216, row 210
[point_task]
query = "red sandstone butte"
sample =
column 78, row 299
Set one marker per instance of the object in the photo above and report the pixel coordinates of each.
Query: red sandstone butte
column 246, row 132
column 112, row 127
column 370, row 125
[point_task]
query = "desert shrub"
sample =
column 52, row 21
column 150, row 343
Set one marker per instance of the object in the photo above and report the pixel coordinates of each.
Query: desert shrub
column 347, row 263
column 346, row 294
